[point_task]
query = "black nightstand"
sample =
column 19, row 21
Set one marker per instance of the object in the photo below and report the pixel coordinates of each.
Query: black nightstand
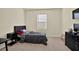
column 12, row 37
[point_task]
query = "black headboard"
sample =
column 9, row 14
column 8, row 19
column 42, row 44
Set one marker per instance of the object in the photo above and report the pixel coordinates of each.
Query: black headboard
column 19, row 28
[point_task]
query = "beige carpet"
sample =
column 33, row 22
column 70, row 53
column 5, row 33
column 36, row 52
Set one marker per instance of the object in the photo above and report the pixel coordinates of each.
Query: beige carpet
column 54, row 44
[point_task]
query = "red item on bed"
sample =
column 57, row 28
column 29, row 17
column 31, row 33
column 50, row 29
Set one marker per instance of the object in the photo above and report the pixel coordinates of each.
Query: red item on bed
column 19, row 33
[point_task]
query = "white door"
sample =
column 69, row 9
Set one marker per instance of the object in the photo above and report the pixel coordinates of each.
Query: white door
column 54, row 21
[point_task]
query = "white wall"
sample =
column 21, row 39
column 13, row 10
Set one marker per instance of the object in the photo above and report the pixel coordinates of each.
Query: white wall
column 9, row 18
column 65, row 14
column 67, row 21
column 54, row 18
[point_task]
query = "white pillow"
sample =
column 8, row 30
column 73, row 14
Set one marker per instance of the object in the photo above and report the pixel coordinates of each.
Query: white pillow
column 24, row 30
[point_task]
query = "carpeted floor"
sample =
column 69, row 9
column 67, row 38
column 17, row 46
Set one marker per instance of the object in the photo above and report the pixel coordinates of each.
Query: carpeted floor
column 54, row 44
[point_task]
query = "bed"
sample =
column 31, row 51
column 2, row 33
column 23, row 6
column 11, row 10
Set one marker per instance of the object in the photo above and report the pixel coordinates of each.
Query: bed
column 30, row 37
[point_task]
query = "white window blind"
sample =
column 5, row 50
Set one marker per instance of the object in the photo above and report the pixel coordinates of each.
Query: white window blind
column 42, row 21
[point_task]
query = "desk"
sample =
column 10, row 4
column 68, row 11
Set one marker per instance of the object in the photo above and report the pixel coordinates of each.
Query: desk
column 4, row 40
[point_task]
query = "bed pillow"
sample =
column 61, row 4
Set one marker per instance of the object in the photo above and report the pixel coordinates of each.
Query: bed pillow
column 19, row 33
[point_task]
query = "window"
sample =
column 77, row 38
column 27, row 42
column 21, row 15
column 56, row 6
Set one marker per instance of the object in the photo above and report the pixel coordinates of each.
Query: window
column 41, row 21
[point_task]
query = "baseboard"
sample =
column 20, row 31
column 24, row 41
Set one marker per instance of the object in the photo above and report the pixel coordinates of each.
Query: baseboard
column 53, row 36
column 63, row 37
